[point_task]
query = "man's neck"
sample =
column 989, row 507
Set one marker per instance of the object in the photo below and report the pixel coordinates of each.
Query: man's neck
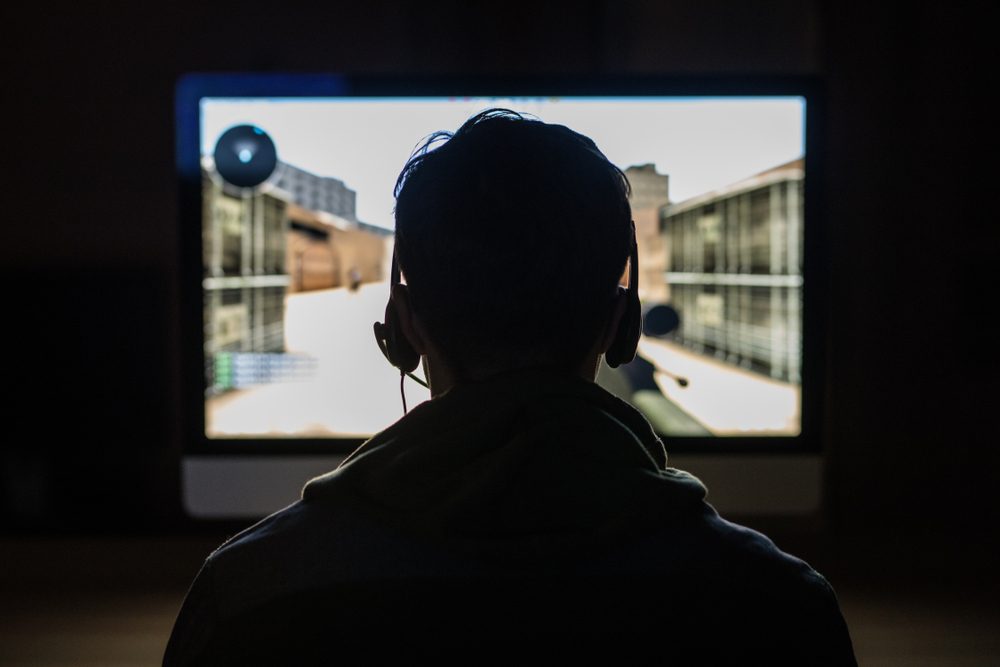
column 441, row 377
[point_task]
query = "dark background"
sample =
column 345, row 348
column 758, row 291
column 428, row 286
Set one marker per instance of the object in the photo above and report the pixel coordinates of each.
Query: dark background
column 90, row 236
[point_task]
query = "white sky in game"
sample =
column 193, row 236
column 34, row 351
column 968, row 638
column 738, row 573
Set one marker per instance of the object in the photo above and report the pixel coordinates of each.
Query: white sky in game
column 702, row 143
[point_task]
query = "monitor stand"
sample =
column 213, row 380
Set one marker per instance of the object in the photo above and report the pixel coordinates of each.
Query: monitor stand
column 250, row 487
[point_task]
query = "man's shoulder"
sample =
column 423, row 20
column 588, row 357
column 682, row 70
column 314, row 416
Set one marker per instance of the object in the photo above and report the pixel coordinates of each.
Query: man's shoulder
column 757, row 577
column 734, row 584
column 314, row 544
column 719, row 564
column 308, row 543
column 298, row 531
column 263, row 533
column 753, row 559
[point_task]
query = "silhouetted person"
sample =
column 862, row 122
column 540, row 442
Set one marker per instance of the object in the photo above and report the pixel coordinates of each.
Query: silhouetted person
column 523, row 514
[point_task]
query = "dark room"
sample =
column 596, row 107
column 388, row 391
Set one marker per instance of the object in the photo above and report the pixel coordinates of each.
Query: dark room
column 211, row 204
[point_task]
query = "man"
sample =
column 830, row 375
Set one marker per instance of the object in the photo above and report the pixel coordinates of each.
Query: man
column 523, row 512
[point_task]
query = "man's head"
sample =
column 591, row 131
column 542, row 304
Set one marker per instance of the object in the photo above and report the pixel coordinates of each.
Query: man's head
column 512, row 236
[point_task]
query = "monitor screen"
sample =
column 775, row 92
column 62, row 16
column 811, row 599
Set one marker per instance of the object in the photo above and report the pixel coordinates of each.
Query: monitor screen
column 291, row 243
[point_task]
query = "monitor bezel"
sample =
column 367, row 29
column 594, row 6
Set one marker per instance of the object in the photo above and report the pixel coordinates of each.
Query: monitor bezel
column 192, row 88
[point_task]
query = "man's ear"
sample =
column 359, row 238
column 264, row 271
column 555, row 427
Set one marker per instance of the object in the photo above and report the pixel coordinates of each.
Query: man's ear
column 399, row 298
column 618, row 308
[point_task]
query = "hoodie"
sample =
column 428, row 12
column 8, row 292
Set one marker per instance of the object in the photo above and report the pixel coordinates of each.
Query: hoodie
column 529, row 476
column 520, row 468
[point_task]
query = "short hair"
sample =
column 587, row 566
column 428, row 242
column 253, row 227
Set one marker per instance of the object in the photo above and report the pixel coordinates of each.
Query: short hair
column 512, row 235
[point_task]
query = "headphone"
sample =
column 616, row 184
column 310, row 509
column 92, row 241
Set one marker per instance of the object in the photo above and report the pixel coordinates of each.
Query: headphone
column 626, row 341
column 398, row 351
column 389, row 335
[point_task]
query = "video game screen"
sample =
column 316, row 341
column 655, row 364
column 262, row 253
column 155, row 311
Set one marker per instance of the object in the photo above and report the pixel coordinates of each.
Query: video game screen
column 297, row 233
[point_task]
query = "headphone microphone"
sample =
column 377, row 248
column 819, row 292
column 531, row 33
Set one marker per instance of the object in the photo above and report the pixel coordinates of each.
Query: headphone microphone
column 391, row 340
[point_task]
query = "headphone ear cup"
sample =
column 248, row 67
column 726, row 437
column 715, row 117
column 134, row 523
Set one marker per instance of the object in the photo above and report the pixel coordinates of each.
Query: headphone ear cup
column 626, row 341
column 395, row 346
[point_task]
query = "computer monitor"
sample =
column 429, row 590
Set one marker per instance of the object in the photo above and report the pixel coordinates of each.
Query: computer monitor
column 286, row 200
